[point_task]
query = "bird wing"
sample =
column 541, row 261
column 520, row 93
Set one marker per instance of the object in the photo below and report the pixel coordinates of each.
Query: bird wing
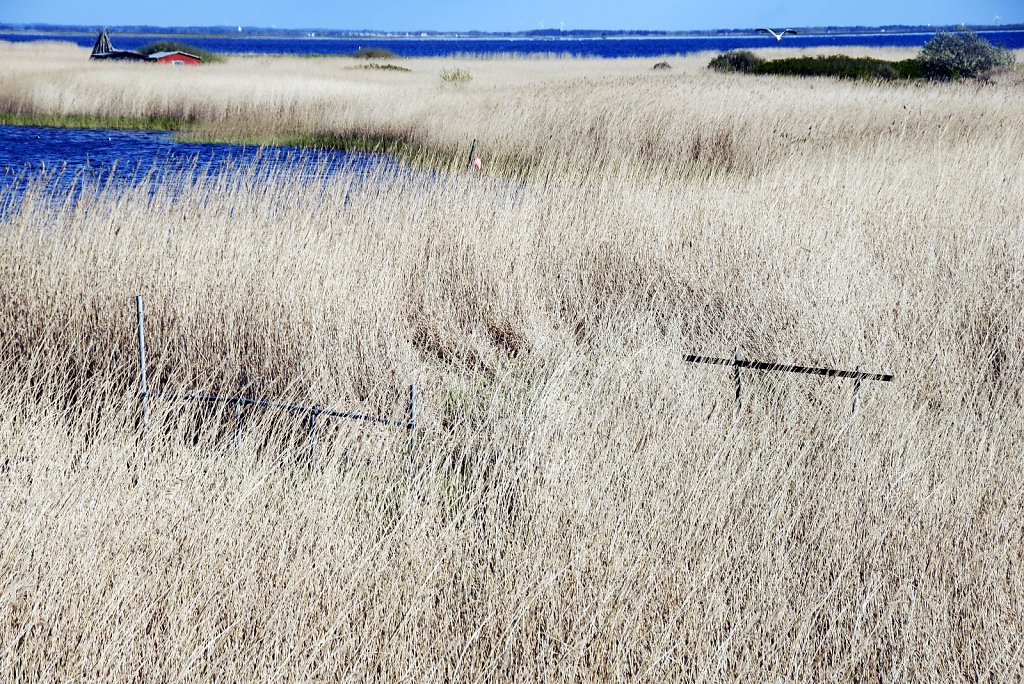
column 789, row 31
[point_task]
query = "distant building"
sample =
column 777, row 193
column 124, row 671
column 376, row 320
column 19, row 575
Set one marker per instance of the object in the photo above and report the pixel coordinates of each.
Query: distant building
column 176, row 58
column 104, row 50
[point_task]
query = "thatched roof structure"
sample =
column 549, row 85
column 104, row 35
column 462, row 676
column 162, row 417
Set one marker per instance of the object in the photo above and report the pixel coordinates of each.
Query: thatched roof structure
column 102, row 49
column 102, row 45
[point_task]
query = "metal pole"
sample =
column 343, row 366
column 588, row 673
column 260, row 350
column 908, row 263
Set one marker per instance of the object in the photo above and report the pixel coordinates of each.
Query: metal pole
column 856, row 392
column 143, row 390
column 412, row 422
column 312, row 435
column 469, row 162
column 736, row 376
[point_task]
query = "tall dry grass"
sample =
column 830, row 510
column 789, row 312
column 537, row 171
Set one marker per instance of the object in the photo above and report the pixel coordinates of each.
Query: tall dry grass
column 581, row 504
column 538, row 117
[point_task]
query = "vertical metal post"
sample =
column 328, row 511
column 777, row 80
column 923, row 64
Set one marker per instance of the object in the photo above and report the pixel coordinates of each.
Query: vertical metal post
column 143, row 389
column 856, row 392
column 312, row 435
column 736, row 376
column 412, row 424
column 469, row 162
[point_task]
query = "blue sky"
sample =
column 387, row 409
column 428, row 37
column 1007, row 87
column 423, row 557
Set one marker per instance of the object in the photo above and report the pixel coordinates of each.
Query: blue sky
column 494, row 15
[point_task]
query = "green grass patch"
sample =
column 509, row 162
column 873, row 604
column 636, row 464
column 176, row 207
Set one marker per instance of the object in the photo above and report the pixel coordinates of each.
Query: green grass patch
column 318, row 141
column 93, row 122
column 456, row 78
column 382, row 67
column 174, row 46
column 397, row 147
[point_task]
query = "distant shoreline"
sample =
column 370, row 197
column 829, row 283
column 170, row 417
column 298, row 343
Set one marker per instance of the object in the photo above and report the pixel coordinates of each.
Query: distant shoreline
column 262, row 32
column 447, row 46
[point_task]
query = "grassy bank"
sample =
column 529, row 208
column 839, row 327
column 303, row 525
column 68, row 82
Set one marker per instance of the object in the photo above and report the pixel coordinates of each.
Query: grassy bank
column 396, row 147
column 83, row 121
column 581, row 503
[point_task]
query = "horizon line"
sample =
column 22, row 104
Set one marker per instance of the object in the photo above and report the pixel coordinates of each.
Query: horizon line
column 242, row 28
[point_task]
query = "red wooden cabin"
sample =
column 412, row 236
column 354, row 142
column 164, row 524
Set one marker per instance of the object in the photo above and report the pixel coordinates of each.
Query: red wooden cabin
column 176, row 58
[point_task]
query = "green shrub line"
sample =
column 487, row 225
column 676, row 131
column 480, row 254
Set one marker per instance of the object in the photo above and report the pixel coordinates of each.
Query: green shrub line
column 947, row 56
column 174, row 46
column 841, row 66
column 836, row 66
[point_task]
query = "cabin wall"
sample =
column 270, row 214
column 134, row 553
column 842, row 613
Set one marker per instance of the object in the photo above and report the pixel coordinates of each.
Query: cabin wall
column 178, row 57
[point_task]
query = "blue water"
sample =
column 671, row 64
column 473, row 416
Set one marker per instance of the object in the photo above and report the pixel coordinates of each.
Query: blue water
column 71, row 159
column 590, row 47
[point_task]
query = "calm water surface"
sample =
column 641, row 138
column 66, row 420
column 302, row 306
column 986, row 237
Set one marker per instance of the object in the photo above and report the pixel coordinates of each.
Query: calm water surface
column 66, row 157
column 589, row 47
column 125, row 153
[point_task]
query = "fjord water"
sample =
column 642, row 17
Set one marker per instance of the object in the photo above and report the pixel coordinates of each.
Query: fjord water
column 66, row 157
column 612, row 47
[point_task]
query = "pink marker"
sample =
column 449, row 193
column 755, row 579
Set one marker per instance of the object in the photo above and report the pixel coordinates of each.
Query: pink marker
column 477, row 163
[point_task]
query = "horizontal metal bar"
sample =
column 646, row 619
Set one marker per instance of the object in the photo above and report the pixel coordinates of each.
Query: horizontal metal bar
column 291, row 407
column 765, row 365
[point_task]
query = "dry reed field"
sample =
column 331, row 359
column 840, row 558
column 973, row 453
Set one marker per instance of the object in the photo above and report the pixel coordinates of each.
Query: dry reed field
column 581, row 503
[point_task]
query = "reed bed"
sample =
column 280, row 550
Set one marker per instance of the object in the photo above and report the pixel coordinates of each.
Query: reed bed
column 540, row 118
column 581, row 504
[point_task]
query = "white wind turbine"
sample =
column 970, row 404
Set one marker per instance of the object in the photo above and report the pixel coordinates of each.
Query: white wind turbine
column 778, row 36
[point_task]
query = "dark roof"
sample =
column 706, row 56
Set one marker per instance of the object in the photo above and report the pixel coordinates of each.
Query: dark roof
column 119, row 54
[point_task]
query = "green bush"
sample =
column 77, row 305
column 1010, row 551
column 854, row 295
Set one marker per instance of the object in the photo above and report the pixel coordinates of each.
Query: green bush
column 735, row 60
column 174, row 46
column 961, row 54
column 373, row 53
column 841, row 66
column 455, row 77
column 836, row 66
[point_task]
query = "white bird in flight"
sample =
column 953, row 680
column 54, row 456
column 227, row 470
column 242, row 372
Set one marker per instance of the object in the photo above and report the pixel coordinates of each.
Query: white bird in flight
column 778, row 36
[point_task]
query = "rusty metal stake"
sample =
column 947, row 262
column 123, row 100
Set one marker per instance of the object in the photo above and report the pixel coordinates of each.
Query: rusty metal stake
column 143, row 390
